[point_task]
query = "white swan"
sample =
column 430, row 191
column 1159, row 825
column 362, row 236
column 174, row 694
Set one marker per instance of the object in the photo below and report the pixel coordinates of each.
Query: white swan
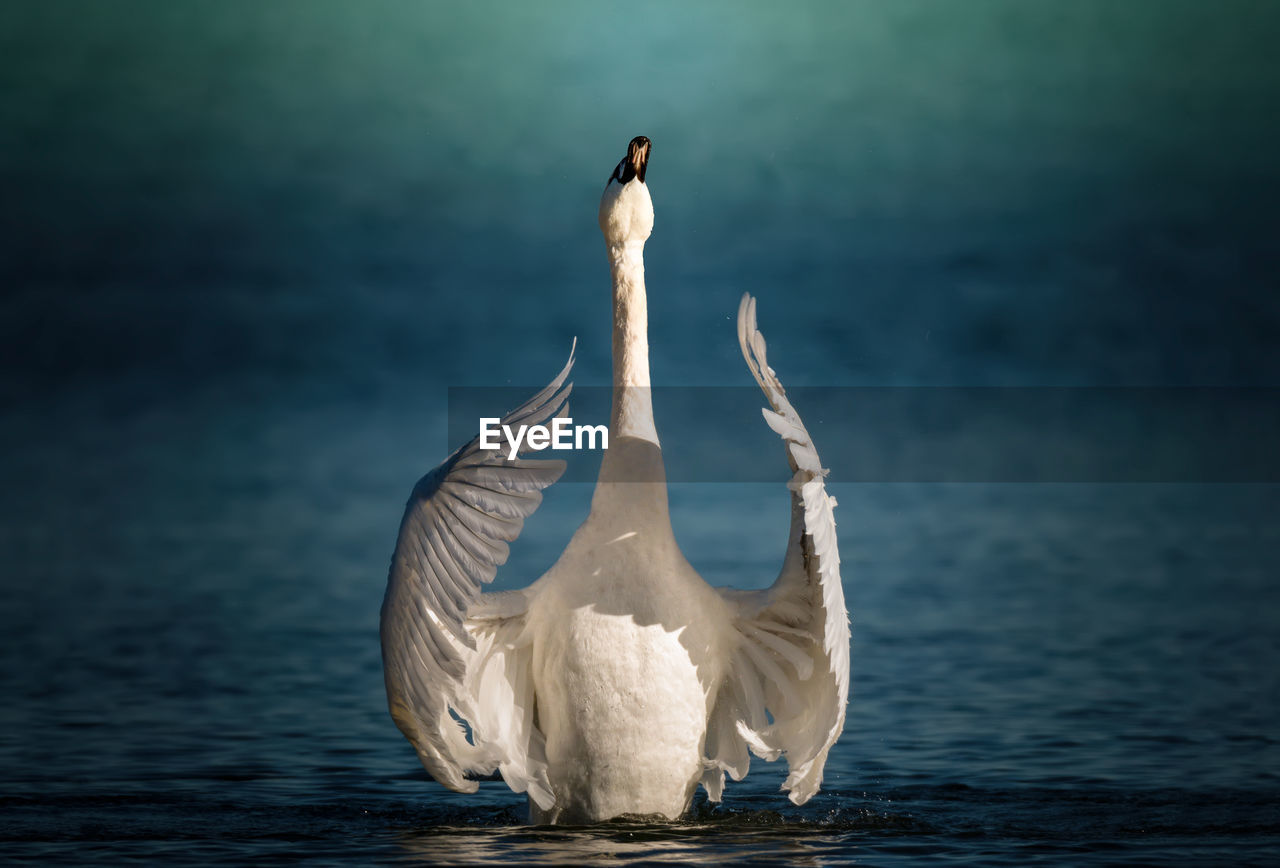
column 620, row 680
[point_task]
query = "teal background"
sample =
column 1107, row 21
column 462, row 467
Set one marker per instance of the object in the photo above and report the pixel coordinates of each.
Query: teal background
column 943, row 193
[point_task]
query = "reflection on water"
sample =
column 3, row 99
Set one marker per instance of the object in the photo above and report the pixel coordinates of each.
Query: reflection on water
column 711, row 834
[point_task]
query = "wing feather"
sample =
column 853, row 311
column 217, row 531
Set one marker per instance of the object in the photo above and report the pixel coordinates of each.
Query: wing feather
column 441, row 668
column 799, row 621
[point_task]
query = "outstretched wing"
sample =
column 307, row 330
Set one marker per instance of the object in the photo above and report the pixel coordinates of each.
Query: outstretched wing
column 448, row 656
column 786, row 691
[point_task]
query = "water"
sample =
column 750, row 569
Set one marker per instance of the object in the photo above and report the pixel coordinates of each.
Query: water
column 248, row 248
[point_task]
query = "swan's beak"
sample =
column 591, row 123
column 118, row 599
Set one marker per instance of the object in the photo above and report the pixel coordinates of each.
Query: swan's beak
column 635, row 163
column 638, row 155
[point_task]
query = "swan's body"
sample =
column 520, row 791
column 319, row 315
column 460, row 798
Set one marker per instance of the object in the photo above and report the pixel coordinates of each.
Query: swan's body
column 620, row 680
column 625, row 706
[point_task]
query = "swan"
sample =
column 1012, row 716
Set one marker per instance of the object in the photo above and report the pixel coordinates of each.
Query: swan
column 620, row 680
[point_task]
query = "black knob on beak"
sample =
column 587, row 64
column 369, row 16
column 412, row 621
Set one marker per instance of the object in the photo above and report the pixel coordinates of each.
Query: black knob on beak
column 635, row 163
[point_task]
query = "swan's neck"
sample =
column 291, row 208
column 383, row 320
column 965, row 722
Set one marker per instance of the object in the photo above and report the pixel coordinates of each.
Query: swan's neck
column 632, row 413
column 632, row 490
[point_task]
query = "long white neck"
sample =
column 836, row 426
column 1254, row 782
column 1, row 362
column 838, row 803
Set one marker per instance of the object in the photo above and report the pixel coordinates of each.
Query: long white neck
column 632, row 413
column 632, row 490
column 631, row 494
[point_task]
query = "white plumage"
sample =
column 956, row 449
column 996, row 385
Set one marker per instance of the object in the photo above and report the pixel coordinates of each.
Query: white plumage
column 620, row 680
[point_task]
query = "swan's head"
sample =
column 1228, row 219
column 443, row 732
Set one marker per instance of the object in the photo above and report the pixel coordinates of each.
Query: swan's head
column 626, row 211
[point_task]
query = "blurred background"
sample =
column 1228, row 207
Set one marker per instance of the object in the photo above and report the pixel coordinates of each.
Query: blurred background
column 247, row 248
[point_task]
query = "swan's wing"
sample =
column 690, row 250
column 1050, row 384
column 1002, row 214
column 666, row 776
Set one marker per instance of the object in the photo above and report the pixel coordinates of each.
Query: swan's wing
column 791, row 660
column 449, row 653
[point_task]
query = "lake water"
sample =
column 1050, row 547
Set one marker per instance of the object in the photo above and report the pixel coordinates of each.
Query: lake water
column 249, row 248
